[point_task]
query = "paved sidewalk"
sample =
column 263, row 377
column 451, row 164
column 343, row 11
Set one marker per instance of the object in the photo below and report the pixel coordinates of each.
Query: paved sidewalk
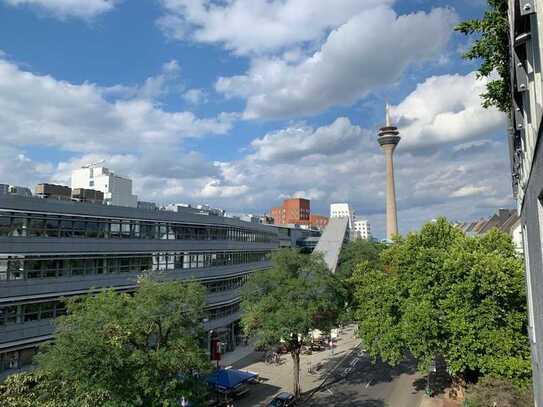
column 277, row 378
column 437, row 402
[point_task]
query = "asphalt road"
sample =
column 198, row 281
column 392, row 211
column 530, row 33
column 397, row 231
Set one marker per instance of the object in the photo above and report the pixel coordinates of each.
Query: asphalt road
column 358, row 382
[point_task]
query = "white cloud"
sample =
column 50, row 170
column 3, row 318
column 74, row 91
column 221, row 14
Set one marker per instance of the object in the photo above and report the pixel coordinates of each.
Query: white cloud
column 299, row 141
column 195, row 96
column 347, row 65
column 471, row 190
column 215, row 189
column 69, row 8
column 41, row 110
column 258, row 26
column 446, row 109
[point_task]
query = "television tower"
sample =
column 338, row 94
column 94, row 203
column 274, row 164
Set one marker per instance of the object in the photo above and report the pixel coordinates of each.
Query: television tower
column 388, row 140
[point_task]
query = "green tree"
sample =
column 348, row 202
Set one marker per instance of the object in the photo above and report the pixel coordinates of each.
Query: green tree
column 440, row 293
column 298, row 294
column 352, row 254
column 491, row 46
column 116, row 349
column 498, row 392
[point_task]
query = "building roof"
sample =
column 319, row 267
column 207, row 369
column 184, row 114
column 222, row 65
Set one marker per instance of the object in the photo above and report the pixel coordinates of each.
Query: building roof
column 504, row 220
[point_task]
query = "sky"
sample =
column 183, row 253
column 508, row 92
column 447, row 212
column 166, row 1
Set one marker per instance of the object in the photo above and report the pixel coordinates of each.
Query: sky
column 242, row 103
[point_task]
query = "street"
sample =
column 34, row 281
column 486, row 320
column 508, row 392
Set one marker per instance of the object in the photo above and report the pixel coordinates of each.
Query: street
column 347, row 378
column 356, row 382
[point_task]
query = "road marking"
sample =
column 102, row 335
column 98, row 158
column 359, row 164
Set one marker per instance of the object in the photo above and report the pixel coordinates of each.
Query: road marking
column 330, row 391
column 354, row 362
column 368, row 384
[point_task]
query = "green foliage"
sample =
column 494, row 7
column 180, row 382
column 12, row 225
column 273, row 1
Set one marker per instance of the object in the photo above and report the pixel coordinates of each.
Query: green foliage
column 355, row 252
column 352, row 254
column 492, row 47
column 441, row 293
column 498, row 392
column 297, row 295
column 122, row 350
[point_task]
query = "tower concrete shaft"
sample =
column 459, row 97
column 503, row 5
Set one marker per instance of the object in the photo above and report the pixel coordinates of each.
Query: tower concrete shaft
column 392, row 215
column 389, row 139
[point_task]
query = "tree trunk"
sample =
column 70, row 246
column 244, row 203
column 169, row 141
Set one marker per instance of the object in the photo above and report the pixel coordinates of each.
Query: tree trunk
column 296, row 365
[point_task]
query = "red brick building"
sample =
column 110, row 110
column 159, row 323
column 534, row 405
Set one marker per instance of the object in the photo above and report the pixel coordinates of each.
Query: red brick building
column 318, row 221
column 293, row 211
column 297, row 211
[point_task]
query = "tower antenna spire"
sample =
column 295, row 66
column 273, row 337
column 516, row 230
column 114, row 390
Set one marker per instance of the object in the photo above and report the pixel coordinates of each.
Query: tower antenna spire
column 388, row 121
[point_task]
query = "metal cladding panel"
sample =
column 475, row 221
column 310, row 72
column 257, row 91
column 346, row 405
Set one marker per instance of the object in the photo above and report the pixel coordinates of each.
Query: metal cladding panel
column 12, row 202
column 222, row 322
column 331, row 241
column 28, row 330
column 47, row 288
column 51, row 245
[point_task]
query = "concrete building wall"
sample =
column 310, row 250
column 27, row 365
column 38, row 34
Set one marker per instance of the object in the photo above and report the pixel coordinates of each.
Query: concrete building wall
column 526, row 42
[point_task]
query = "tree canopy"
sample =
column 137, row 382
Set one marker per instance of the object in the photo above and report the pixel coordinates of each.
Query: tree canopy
column 440, row 293
column 116, row 349
column 491, row 46
column 352, row 254
column 297, row 295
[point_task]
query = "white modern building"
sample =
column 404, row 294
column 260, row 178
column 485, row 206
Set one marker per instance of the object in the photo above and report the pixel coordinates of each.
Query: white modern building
column 362, row 229
column 117, row 190
column 342, row 210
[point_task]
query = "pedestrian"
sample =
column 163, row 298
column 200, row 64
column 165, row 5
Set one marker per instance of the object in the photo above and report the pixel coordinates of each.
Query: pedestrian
column 332, row 347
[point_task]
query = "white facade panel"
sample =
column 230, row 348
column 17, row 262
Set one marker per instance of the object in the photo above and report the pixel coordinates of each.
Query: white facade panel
column 117, row 190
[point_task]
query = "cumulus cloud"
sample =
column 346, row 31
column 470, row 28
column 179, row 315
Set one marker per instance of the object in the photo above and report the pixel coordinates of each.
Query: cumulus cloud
column 41, row 110
column 195, row 96
column 346, row 67
column 446, row 109
column 69, row 8
column 298, row 141
column 257, row 26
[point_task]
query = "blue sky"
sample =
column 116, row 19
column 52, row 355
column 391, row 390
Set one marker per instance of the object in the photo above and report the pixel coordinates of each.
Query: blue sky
column 240, row 104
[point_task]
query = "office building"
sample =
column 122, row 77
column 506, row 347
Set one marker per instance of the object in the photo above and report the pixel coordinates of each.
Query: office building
column 55, row 249
column 361, row 229
column 117, row 190
column 294, row 211
column 53, row 191
column 527, row 162
column 87, row 195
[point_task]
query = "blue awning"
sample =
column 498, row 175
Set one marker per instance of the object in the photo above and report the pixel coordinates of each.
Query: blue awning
column 229, row 379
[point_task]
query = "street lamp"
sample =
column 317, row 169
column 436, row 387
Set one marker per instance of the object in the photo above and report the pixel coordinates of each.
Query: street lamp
column 431, row 369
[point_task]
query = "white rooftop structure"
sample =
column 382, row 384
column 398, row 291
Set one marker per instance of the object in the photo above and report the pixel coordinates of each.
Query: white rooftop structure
column 117, row 190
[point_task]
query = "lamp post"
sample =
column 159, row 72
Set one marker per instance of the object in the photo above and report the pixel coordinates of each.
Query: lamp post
column 431, row 369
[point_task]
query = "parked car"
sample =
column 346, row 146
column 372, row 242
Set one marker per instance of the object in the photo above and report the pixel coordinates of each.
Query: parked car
column 283, row 399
